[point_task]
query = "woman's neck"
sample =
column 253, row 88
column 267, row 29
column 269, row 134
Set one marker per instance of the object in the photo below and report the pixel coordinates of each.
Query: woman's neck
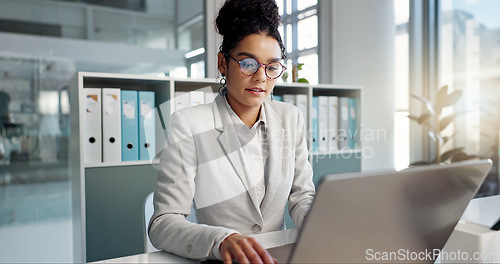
column 249, row 115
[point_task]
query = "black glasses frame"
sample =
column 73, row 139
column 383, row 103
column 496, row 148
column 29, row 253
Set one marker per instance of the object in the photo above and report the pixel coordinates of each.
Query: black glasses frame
column 283, row 67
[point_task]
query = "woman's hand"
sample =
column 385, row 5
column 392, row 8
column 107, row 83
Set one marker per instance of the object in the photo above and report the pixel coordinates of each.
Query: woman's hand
column 244, row 249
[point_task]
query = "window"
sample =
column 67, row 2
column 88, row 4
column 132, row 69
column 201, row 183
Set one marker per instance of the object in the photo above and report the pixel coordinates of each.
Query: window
column 52, row 41
column 161, row 26
column 300, row 36
column 401, row 121
column 469, row 60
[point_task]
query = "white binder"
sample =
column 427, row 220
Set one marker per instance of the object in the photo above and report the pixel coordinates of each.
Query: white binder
column 323, row 124
column 196, row 98
column 289, row 98
column 301, row 101
column 111, row 125
column 332, row 124
column 181, row 100
column 314, row 125
column 92, row 143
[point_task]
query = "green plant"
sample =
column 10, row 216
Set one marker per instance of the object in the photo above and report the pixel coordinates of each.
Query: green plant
column 435, row 123
column 295, row 74
column 284, row 76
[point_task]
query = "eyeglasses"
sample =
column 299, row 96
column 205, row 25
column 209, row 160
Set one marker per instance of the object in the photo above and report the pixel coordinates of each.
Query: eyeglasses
column 249, row 67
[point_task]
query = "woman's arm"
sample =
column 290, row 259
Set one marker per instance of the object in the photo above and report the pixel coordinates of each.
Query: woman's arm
column 168, row 228
column 303, row 191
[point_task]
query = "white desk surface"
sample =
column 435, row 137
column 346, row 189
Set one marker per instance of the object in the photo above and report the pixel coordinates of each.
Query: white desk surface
column 481, row 210
column 268, row 240
column 154, row 257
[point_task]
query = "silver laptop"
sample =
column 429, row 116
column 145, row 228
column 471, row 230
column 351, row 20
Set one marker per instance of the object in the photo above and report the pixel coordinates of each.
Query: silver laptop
column 404, row 216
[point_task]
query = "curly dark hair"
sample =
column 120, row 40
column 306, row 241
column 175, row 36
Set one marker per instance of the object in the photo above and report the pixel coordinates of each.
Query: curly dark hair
column 240, row 18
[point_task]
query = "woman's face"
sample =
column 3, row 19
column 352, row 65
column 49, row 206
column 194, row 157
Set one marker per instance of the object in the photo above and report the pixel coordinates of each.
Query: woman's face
column 245, row 92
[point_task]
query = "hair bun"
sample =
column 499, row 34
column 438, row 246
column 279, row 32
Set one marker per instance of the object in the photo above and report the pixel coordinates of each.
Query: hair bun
column 238, row 14
column 240, row 18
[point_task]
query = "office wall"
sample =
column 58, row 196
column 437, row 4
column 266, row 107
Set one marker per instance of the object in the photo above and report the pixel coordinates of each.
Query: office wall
column 363, row 54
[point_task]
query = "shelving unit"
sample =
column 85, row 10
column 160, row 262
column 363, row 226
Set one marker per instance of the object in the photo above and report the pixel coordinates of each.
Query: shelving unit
column 122, row 163
column 344, row 160
column 108, row 198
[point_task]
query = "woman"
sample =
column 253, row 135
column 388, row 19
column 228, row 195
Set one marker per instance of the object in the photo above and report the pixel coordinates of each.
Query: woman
column 239, row 159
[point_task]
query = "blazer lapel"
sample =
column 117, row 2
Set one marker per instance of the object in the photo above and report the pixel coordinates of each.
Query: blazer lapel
column 275, row 133
column 229, row 141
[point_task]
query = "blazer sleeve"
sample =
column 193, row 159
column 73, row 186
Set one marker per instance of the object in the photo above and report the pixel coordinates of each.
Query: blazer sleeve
column 303, row 191
column 168, row 228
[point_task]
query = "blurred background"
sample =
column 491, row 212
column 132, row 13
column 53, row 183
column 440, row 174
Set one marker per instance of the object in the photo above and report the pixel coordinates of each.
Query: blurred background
column 44, row 43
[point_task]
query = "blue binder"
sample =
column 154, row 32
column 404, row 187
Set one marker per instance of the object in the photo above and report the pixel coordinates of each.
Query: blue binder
column 315, row 125
column 147, row 141
column 353, row 124
column 130, row 132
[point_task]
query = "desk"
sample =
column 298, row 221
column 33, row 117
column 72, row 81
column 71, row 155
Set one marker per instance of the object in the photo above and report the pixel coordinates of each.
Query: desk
column 268, row 240
column 154, row 257
column 481, row 210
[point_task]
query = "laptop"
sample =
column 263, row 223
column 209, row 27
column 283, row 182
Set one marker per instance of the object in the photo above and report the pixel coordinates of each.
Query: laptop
column 404, row 216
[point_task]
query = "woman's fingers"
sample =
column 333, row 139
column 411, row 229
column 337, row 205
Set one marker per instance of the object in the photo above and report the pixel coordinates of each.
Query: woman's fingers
column 239, row 253
column 262, row 252
column 226, row 257
column 250, row 252
column 244, row 250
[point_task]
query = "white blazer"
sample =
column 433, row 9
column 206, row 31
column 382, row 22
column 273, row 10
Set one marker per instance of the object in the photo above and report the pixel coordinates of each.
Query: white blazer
column 203, row 163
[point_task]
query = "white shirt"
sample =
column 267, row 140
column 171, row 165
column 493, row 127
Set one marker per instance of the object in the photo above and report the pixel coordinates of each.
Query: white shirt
column 255, row 148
